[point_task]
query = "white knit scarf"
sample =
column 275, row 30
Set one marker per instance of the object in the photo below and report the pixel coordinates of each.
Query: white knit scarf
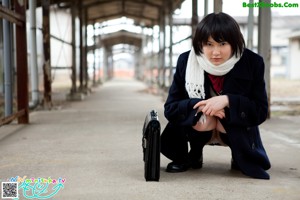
column 194, row 77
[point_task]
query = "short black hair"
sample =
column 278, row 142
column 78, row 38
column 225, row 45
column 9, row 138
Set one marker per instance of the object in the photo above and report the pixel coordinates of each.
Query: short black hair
column 221, row 27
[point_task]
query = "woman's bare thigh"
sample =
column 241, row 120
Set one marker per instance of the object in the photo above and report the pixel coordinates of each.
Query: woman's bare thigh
column 219, row 126
column 210, row 124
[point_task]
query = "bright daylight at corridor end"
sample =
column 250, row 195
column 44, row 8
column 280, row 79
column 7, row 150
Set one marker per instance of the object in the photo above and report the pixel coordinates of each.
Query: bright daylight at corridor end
column 78, row 77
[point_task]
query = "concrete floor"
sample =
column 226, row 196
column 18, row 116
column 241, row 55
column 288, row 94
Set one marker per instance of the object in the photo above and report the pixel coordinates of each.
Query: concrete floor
column 95, row 145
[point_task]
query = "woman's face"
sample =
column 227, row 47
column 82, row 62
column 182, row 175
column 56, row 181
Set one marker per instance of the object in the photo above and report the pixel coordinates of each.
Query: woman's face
column 217, row 53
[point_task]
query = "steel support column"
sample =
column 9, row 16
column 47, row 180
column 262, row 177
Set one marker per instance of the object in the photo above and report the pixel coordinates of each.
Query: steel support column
column 83, row 72
column 74, row 70
column 171, row 42
column 194, row 16
column 162, row 47
column 137, row 64
column 33, row 56
column 80, row 46
column 7, row 64
column 94, row 55
column 75, row 94
column 1, row 58
column 110, row 67
column 21, row 63
column 47, row 101
column 152, row 60
column 105, row 63
column 84, row 53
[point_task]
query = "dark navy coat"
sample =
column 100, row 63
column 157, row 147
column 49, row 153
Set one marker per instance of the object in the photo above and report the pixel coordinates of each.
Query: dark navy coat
column 248, row 108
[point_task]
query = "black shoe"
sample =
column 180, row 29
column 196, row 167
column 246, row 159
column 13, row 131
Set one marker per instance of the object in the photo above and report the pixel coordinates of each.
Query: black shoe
column 197, row 164
column 234, row 165
column 174, row 167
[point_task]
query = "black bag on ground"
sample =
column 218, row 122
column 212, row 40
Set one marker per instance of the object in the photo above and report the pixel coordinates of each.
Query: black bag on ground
column 151, row 146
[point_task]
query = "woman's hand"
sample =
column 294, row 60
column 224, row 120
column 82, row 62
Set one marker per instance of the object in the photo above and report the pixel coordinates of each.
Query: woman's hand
column 220, row 114
column 213, row 106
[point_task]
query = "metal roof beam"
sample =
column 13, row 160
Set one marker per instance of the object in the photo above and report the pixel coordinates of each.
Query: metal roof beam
column 116, row 15
column 146, row 3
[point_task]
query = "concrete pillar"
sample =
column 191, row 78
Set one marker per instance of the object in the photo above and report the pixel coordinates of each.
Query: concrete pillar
column 205, row 7
column 218, row 6
column 293, row 71
column 250, row 27
column 264, row 43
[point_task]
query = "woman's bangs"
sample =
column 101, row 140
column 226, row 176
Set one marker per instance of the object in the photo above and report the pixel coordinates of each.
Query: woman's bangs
column 218, row 33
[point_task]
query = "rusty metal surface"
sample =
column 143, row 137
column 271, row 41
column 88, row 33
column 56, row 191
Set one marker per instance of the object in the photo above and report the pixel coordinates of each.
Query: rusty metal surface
column 12, row 16
column 47, row 54
column 145, row 13
column 9, row 119
column 18, row 17
column 21, row 63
